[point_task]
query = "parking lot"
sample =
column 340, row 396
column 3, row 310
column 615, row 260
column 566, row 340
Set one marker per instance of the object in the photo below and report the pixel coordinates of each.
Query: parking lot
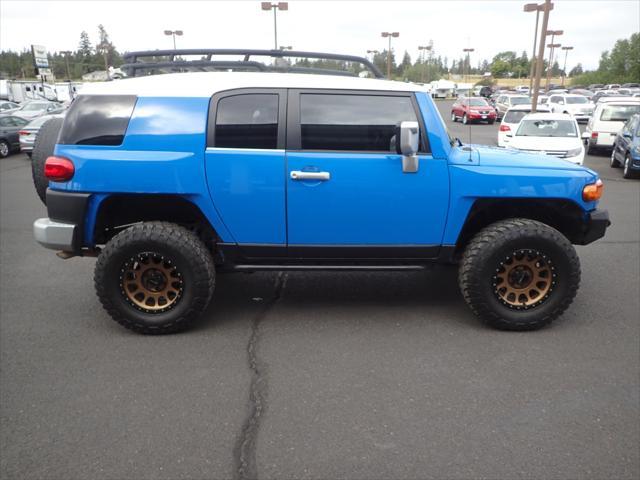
column 318, row 375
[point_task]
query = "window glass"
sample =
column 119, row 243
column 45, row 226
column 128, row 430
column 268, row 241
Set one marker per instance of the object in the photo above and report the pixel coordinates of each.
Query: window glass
column 478, row 102
column 247, row 121
column 97, row 120
column 352, row 122
column 547, row 128
column 618, row 113
column 520, row 100
column 577, row 100
column 5, row 122
column 514, row 116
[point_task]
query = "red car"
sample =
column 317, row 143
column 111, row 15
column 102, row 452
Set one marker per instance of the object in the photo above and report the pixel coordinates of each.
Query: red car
column 473, row 109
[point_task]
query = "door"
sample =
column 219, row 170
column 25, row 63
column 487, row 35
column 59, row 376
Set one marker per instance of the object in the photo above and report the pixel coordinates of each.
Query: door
column 347, row 194
column 245, row 164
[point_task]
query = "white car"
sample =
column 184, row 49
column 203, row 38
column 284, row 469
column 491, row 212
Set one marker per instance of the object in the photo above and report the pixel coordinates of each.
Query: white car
column 511, row 120
column 607, row 120
column 555, row 134
column 578, row 106
column 522, row 89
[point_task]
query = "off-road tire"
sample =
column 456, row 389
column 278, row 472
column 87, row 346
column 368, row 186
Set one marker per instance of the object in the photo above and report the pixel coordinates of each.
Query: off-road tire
column 491, row 246
column 5, row 149
column 187, row 252
column 43, row 148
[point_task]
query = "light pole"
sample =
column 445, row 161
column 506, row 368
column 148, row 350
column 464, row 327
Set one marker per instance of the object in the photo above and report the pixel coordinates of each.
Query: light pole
column 284, row 6
column 564, row 69
column 422, row 49
column 552, row 46
column 533, row 7
column 546, row 8
column 286, row 48
column 468, row 52
column 66, row 54
column 389, row 34
column 173, row 33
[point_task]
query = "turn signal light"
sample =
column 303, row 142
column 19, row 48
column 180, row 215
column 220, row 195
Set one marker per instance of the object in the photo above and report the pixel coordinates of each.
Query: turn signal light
column 594, row 134
column 593, row 191
column 58, row 169
column 505, row 128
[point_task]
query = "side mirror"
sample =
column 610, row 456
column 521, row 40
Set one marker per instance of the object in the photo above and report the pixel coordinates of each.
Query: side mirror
column 627, row 134
column 586, row 135
column 409, row 135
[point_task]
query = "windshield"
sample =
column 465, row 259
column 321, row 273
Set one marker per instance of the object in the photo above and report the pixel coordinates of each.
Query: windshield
column 33, row 107
column 514, row 116
column 618, row 113
column 520, row 100
column 572, row 100
column 478, row 102
column 547, row 128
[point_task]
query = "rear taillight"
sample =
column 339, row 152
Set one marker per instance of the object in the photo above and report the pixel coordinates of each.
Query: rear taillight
column 505, row 128
column 594, row 134
column 23, row 132
column 58, row 169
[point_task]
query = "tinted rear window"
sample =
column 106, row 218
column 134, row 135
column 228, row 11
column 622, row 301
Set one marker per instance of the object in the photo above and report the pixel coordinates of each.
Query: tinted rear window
column 247, row 121
column 97, row 120
column 514, row 116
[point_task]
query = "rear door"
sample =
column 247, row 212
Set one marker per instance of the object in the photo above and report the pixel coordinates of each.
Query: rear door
column 245, row 164
column 347, row 194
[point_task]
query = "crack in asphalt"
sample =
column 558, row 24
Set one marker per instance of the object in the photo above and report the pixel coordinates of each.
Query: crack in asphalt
column 244, row 452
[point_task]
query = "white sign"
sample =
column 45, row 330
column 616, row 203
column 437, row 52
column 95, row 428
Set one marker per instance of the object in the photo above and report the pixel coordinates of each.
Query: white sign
column 40, row 59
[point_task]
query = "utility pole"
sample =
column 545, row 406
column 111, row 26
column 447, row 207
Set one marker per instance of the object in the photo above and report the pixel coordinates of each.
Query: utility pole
column 533, row 7
column 422, row 49
column 552, row 46
column 66, row 54
column 389, row 34
column 284, row 6
column 547, row 7
column 564, row 69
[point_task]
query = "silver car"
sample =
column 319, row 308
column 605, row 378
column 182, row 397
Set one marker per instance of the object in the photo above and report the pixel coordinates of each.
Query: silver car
column 29, row 132
column 37, row 108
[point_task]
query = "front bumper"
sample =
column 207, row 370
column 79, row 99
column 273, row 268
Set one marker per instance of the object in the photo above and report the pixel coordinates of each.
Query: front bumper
column 595, row 227
column 64, row 228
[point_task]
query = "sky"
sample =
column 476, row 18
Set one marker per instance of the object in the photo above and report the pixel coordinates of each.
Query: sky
column 350, row 27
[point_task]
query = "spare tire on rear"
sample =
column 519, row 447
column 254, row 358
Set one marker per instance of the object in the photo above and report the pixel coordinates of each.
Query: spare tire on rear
column 43, row 148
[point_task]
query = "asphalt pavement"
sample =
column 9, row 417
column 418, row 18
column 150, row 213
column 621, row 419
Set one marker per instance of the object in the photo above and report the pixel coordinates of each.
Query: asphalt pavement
column 318, row 375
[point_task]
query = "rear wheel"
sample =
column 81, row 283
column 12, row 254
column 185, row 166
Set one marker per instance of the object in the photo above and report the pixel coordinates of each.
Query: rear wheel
column 453, row 117
column 519, row 274
column 155, row 278
column 590, row 148
column 43, row 148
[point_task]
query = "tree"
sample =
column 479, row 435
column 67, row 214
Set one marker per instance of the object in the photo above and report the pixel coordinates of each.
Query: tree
column 577, row 70
column 84, row 48
column 499, row 68
column 405, row 64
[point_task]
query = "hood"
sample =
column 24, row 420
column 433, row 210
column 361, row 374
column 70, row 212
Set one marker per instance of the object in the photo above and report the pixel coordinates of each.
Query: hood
column 489, row 156
column 28, row 115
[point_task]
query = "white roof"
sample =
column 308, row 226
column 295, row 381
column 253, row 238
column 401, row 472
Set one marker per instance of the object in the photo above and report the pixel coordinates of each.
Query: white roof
column 619, row 100
column 205, row 84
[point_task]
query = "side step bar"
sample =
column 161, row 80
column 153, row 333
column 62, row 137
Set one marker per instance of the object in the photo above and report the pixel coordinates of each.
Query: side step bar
column 255, row 268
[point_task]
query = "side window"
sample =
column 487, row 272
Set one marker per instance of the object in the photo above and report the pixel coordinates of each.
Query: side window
column 247, row 121
column 352, row 122
column 5, row 122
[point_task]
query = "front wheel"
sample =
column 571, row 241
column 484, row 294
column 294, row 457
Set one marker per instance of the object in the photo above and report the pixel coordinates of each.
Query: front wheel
column 519, row 274
column 155, row 278
column 614, row 163
column 464, row 119
column 453, row 117
column 627, row 172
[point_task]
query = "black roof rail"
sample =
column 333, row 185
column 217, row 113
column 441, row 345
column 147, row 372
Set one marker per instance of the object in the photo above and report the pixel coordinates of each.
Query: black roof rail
column 147, row 62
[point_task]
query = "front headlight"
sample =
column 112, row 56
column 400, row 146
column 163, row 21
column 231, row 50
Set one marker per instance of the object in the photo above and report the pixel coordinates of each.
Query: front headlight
column 636, row 149
column 574, row 152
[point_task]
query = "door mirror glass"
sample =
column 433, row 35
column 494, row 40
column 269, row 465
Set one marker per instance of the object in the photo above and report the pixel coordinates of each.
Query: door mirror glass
column 409, row 135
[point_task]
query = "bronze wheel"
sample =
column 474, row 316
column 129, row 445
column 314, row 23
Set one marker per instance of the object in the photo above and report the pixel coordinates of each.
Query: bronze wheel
column 151, row 283
column 524, row 279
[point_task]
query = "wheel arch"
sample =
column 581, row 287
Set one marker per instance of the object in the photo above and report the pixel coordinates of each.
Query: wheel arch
column 564, row 215
column 116, row 212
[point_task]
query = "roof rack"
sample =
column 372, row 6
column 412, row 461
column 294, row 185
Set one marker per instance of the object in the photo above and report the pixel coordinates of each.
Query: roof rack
column 150, row 62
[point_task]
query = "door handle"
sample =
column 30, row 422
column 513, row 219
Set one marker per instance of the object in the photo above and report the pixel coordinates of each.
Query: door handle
column 300, row 175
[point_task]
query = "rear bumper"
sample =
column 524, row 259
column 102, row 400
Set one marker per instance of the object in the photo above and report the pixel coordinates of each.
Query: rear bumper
column 64, row 228
column 595, row 227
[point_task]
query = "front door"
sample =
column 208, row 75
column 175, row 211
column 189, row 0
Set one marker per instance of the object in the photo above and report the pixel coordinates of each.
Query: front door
column 347, row 194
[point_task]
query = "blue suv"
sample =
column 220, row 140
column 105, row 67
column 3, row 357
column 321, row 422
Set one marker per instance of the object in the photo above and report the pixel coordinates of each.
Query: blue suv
column 626, row 148
column 171, row 179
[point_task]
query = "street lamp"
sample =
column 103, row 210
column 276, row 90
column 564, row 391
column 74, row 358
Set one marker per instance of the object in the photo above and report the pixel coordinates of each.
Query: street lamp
column 533, row 7
column 564, row 69
column 173, row 33
column 546, row 7
column 422, row 49
column 468, row 52
column 389, row 34
column 66, row 54
column 284, row 6
column 552, row 46
column 286, row 48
